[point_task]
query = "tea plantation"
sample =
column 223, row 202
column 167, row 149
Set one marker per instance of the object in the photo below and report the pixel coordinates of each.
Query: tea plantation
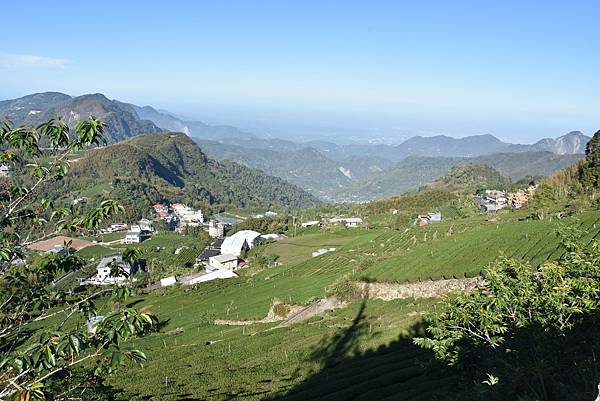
column 361, row 352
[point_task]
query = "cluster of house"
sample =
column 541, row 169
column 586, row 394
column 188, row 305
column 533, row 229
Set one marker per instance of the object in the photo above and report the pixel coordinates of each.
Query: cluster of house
column 178, row 216
column 135, row 233
column 347, row 221
column 428, row 218
column 140, row 232
column 493, row 200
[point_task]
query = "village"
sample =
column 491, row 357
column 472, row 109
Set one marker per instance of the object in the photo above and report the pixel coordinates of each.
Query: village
column 493, row 200
column 228, row 249
column 221, row 259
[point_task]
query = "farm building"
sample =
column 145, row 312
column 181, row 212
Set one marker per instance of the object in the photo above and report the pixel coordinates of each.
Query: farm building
column 348, row 221
column 311, row 223
column 216, row 229
column 213, row 249
column 240, row 242
column 225, row 261
column 353, row 221
column 215, row 275
column 133, row 237
column 424, row 219
column 105, row 269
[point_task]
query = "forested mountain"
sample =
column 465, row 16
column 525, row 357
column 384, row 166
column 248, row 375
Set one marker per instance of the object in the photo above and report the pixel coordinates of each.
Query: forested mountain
column 306, row 167
column 413, row 172
column 121, row 119
column 171, row 167
column 469, row 177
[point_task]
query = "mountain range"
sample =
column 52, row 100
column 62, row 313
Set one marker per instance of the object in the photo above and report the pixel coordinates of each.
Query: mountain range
column 331, row 171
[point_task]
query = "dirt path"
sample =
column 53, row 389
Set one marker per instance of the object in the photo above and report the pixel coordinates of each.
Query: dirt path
column 295, row 314
column 315, row 309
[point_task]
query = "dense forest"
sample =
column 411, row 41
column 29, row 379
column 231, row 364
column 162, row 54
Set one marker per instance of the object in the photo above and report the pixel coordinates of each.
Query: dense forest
column 170, row 167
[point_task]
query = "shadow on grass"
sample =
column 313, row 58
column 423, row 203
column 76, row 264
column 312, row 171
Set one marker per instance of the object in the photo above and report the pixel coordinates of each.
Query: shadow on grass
column 398, row 371
column 533, row 364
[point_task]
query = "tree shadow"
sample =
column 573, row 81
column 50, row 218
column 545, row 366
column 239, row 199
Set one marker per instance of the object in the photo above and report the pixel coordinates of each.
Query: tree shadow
column 398, row 371
column 536, row 363
column 533, row 364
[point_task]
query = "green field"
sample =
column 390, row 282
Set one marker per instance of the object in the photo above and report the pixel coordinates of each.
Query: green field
column 362, row 352
column 95, row 252
column 300, row 248
column 418, row 256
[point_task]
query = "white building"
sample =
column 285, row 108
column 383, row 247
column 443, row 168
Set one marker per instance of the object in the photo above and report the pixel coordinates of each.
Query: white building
column 239, row 242
column 224, row 261
column 215, row 275
column 311, row 223
column 105, row 268
column 146, row 225
column 216, row 229
column 4, row 170
column 188, row 216
column 168, row 281
column 133, row 237
column 353, row 221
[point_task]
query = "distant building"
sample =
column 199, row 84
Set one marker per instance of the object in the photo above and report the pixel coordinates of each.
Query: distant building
column 240, row 242
column 213, row 249
column 216, row 229
column 425, row 219
column 110, row 270
column 225, row 262
column 146, row 225
column 133, row 237
column 348, row 221
column 353, row 221
column 187, row 216
column 4, row 170
column 311, row 223
column 118, row 227
column 270, row 214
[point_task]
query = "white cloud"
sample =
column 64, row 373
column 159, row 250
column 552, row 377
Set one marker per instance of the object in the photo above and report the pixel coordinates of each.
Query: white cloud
column 10, row 60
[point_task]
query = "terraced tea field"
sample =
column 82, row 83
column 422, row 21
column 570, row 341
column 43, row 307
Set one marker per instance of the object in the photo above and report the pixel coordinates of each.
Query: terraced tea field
column 362, row 352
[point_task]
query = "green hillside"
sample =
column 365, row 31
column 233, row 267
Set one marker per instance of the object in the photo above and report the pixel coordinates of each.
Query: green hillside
column 171, row 167
column 361, row 352
column 414, row 172
column 469, row 177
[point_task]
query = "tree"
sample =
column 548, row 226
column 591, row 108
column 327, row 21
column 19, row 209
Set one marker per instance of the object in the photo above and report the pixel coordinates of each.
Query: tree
column 589, row 171
column 531, row 330
column 31, row 365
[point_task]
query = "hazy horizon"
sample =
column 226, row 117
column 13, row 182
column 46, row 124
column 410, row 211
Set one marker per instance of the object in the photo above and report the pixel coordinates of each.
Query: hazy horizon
column 378, row 71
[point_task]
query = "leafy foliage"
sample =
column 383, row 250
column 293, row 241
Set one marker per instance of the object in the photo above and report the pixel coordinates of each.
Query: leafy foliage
column 31, row 365
column 513, row 323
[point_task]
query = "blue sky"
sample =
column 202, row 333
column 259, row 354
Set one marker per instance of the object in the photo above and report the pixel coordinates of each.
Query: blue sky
column 520, row 70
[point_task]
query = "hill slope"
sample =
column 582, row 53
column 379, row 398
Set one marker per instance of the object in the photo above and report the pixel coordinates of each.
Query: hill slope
column 170, row 166
column 467, row 177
